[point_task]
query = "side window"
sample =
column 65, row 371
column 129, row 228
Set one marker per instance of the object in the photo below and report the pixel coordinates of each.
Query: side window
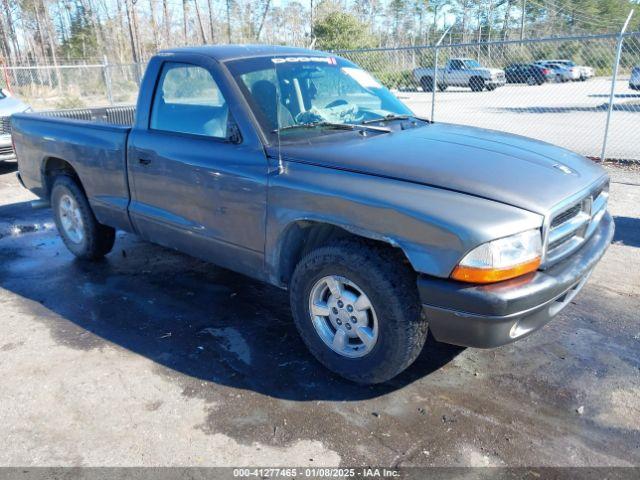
column 188, row 100
column 456, row 65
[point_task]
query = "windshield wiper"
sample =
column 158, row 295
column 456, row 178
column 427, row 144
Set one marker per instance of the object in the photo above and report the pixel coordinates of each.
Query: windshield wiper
column 393, row 116
column 334, row 125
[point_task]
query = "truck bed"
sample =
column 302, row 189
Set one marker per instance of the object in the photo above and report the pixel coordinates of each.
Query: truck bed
column 92, row 140
column 120, row 115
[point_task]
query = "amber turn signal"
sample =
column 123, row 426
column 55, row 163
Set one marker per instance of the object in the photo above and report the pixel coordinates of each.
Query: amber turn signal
column 491, row 275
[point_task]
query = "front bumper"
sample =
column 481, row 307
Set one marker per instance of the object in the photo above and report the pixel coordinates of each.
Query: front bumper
column 500, row 82
column 487, row 316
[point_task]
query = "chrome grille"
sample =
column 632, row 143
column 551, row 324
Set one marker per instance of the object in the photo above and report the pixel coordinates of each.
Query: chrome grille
column 573, row 224
column 5, row 125
column 566, row 215
column 6, row 150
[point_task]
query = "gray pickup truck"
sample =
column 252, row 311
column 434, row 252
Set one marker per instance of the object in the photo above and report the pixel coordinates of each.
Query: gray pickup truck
column 298, row 168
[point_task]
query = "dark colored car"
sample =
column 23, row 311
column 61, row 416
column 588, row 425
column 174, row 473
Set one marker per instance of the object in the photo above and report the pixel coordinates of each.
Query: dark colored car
column 527, row 73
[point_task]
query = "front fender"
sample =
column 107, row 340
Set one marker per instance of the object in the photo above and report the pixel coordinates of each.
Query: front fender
column 434, row 227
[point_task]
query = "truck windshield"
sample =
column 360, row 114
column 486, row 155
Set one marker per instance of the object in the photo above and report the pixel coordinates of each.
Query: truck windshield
column 471, row 64
column 284, row 91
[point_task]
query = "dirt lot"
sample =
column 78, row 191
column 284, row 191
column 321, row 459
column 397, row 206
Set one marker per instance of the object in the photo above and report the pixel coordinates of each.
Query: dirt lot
column 152, row 358
column 571, row 114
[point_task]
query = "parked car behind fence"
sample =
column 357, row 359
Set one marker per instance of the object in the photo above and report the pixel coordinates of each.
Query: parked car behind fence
column 460, row 72
column 584, row 72
column 560, row 72
column 528, row 73
column 634, row 80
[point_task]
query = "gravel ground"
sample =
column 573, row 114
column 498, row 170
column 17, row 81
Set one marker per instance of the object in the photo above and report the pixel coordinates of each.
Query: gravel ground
column 153, row 358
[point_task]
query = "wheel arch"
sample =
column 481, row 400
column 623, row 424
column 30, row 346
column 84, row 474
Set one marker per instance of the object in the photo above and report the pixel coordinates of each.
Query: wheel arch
column 303, row 235
column 54, row 166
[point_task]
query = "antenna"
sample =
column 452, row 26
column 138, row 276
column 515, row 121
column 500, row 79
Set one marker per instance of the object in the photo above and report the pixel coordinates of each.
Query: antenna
column 280, row 163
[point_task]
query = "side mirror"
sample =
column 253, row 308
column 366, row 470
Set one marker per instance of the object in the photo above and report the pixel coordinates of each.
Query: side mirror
column 233, row 133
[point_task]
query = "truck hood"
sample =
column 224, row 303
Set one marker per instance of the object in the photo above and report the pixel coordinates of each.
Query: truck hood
column 507, row 168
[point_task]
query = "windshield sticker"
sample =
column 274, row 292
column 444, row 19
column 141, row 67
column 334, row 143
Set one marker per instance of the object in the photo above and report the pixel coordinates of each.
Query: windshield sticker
column 328, row 60
column 362, row 77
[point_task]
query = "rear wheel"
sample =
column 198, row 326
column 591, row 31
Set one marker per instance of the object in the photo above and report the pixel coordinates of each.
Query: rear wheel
column 78, row 227
column 357, row 309
column 427, row 84
column 531, row 80
column 476, row 84
column 442, row 87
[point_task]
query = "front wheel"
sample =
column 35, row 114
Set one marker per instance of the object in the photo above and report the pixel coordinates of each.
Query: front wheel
column 357, row 309
column 78, row 227
column 427, row 84
column 476, row 84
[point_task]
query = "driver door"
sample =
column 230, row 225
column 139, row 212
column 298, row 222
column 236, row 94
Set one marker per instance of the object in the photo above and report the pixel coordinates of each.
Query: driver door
column 196, row 186
column 454, row 75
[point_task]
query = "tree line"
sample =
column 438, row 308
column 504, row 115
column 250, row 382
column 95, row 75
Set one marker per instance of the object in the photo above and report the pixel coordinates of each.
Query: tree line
column 56, row 32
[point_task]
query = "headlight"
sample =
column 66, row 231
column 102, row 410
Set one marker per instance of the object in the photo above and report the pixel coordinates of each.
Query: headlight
column 501, row 259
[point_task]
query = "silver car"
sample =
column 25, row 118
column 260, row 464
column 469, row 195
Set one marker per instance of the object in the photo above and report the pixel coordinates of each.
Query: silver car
column 8, row 106
column 560, row 72
column 579, row 72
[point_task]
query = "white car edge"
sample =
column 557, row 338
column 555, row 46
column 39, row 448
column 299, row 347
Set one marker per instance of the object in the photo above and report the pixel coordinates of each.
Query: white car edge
column 578, row 72
column 8, row 106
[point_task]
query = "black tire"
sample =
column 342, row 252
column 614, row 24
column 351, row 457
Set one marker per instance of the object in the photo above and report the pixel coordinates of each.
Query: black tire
column 442, row 87
column 476, row 84
column 532, row 80
column 389, row 283
column 97, row 239
column 427, row 84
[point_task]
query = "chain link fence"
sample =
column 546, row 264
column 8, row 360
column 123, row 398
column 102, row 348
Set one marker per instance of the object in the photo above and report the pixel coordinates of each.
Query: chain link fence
column 558, row 90
column 73, row 86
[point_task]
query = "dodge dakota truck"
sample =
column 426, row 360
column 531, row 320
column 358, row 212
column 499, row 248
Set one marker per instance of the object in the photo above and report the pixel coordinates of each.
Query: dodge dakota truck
column 298, row 168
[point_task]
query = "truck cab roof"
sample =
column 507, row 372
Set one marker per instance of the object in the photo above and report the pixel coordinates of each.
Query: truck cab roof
column 223, row 53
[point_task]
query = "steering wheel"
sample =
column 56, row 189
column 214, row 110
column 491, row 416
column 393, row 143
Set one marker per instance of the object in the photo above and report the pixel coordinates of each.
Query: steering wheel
column 336, row 103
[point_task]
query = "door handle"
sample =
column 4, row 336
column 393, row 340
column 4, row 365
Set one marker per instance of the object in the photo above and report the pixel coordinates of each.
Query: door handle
column 144, row 161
